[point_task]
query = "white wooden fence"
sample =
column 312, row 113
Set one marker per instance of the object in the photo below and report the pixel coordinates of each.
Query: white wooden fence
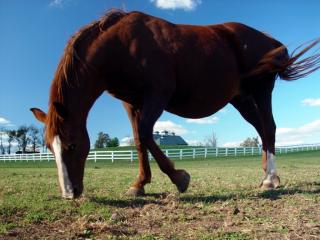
column 131, row 155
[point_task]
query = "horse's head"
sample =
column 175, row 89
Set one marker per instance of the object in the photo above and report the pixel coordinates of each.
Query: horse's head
column 68, row 140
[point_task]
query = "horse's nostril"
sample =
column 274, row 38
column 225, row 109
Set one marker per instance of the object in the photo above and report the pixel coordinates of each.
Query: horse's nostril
column 77, row 190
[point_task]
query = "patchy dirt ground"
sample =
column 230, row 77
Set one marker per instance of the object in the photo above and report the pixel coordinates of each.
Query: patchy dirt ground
column 279, row 214
column 220, row 204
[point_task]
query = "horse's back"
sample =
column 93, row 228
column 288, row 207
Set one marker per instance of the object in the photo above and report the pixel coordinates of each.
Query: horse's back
column 199, row 65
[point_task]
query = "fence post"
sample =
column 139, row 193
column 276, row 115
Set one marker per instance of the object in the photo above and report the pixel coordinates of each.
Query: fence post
column 235, row 151
column 167, row 153
column 194, row 153
column 205, row 152
column 226, row 152
column 131, row 155
column 112, row 156
column 181, row 153
column 95, row 156
column 217, row 152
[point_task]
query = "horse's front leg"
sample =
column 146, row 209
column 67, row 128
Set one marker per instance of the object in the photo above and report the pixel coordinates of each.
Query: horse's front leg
column 151, row 111
column 144, row 177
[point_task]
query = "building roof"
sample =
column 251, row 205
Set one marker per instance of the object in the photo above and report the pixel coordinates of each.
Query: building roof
column 166, row 138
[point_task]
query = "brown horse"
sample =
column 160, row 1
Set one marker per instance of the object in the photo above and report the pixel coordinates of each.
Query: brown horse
column 152, row 65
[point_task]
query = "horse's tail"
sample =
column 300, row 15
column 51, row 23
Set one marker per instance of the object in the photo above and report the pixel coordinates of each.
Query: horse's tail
column 289, row 67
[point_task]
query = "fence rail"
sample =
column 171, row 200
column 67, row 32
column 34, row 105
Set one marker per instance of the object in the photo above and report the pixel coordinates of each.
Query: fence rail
column 131, row 155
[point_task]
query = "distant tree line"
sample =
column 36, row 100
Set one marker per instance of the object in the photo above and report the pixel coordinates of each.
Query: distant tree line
column 104, row 140
column 250, row 142
column 27, row 139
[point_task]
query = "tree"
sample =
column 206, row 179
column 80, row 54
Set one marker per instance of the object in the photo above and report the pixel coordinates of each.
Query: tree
column 250, row 142
column 34, row 137
column 11, row 137
column 212, row 140
column 43, row 139
column 2, row 132
column 114, row 142
column 22, row 138
column 102, row 140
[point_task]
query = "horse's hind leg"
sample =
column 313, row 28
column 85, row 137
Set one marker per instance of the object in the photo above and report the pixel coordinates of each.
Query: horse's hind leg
column 263, row 99
column 144, row 177
column 250, row 111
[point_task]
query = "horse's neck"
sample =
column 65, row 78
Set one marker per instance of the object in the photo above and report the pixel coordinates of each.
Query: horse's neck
column 81, row 99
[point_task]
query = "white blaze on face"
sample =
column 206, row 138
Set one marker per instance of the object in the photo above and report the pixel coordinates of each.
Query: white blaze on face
column 271, row 167
column 65, row 183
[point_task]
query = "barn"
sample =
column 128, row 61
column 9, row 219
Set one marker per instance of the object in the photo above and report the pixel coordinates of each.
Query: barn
column 168, row 138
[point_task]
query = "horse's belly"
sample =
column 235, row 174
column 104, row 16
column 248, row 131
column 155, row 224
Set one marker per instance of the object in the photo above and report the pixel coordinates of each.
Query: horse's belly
column 198, row 107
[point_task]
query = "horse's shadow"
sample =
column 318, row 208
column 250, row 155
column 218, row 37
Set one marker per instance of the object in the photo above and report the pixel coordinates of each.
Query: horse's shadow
column 149, row 198
column 160, row 198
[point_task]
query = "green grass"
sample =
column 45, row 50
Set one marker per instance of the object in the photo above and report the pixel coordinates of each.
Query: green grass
column 223, row 201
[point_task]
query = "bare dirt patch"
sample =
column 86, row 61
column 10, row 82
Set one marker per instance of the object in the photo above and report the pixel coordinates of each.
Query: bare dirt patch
column 276, row 214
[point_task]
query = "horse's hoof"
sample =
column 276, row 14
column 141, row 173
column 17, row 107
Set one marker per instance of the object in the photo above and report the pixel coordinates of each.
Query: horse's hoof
column 182, row 180
column 135, row 192
column 276, row 181
column 267, row 185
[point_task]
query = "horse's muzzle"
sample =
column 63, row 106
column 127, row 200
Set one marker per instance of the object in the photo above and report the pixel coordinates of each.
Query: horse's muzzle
column 73, row 193
column 77, row 190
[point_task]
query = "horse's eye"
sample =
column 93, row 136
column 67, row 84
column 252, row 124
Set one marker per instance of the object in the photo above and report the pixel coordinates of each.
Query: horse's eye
column 71, row 147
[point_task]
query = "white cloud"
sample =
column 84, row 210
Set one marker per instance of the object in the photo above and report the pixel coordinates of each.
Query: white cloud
column 305, row 134
column 60, row 3
column 56, row 3
column 308, row 133
column 126, row 141
column 232, row 144
column 207, row 120
column 195, row 143
column 169, row 126
column 186, row 5
column 313, row 102
column 5, row 123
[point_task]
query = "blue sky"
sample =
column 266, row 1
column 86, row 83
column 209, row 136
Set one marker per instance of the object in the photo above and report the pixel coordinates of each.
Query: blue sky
column 34, row 33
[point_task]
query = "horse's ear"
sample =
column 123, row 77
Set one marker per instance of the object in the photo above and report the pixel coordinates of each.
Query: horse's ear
column 61, row 110
column 39, row 114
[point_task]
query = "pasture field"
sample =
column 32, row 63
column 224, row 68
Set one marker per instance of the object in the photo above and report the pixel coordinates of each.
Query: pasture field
column 223, row 202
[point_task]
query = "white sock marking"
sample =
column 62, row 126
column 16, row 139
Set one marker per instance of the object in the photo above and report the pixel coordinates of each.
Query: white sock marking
column 65, row 183
column 271, row 167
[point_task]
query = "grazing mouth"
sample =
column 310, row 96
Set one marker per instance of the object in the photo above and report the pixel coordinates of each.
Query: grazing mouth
column 72, row 192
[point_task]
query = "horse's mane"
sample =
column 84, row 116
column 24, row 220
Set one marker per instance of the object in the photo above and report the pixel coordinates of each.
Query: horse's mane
column 71, row 67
